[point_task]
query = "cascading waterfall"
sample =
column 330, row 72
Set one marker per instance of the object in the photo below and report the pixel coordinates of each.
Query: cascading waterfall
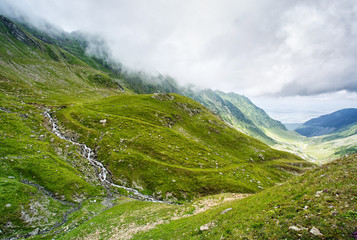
column 88, row 153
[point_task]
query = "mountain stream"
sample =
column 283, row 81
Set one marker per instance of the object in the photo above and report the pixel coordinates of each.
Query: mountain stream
column 88, row 153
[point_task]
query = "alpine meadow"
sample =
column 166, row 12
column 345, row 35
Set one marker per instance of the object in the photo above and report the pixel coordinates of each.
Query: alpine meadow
column 92, row 148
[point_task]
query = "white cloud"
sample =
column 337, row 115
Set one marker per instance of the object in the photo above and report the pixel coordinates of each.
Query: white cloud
column 254, row 47
column 299, row 109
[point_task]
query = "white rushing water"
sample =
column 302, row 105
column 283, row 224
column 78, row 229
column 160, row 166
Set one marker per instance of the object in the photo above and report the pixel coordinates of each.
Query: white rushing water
column 88, row 153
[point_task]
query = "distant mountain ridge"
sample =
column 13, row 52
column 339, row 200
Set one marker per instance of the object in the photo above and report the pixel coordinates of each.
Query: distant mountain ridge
column 240, row 112
column 329, row 123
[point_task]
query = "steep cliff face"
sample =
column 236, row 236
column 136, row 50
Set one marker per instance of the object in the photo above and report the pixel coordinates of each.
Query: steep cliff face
column 17, row 32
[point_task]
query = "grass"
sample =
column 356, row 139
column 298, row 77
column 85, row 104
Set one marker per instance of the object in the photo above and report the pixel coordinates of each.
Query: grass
column 31, row 77
column 323, row 198
column 24, row 208
column 28, row 151
column 164, row 145
column 174, row 148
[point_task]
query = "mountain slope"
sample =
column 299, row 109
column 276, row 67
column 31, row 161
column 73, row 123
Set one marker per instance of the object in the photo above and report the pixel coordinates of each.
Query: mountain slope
column 47, row 182
column 42, row 178
column 193, row 150
column 238, row 111
column 235, row 109
column 322, row 199
column 329, row 123
column 39, row 71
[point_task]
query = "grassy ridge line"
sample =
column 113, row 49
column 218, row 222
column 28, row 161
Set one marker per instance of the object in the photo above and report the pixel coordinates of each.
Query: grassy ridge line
column 166, row 143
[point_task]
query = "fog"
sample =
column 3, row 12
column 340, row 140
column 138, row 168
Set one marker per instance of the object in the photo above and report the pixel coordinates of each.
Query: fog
column 268, row 50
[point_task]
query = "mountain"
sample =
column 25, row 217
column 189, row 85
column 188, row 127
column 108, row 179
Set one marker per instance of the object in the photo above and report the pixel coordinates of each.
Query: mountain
column 173, row 147
column 239, row 112
column 329, row 123
column 233, row 108
column 76, row 139
column 339, row 143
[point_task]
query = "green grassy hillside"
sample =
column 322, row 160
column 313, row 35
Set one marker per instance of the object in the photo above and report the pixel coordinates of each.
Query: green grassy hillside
column 322, row 199
column 42, row 177
column 239, row 112
column 174, row 148
column 234, row 109
column 40, row 72
column 164, row 145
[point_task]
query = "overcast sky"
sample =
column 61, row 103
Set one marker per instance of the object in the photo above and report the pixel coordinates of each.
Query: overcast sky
column 296, row 59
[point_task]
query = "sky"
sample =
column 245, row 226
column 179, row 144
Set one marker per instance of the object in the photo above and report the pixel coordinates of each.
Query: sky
column 296, row 59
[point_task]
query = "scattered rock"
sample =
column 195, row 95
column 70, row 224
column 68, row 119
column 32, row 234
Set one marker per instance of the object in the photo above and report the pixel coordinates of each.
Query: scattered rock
column 316, row 231
column 163, row 96
column 318, row 193
column 9, row 225
column 5, row 110
column 207, row 226
column 103, row 121
column 8, row 205
column 24, row 115
column 191, row 110
column 226, row 210
column 35, row 232
column 295, row 228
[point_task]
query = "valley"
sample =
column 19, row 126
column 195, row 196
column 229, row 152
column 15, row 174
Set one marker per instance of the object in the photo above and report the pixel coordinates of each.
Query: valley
column 91, row 152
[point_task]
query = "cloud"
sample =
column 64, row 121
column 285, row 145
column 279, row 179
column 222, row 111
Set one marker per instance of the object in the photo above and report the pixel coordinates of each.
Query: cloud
column 255, row 47
column 299, row 109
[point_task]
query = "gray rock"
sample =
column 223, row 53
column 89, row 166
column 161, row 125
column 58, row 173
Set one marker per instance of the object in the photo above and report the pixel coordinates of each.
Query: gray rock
column 35, row 232
column 226, row 210
column 316, row 231
column 295, row 228
column 207, row 226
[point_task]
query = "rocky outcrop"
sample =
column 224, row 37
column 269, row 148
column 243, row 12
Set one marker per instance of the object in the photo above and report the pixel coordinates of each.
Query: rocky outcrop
column 18, row 33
